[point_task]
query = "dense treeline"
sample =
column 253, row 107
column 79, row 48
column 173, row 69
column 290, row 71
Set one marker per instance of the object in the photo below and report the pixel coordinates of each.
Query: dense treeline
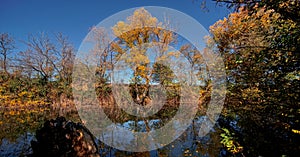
column 260, row 46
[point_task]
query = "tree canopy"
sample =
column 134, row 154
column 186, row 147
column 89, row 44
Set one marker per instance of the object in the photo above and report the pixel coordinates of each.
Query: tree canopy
column 260, row 46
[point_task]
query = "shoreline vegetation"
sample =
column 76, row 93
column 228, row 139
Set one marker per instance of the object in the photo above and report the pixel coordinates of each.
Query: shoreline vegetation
column 28, row 110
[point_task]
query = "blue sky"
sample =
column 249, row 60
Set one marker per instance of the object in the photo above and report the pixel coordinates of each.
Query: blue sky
column 74, row 17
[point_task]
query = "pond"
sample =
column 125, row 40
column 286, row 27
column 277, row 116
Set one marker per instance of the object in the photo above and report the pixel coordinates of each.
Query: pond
column 188, row 144
column 231, row 133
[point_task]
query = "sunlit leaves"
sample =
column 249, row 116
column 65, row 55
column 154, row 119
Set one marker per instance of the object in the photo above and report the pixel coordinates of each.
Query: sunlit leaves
column 20, row 110
column 227, row 139
column 260, row 47
column 140, row 18
column 139, row 34
column 241, row 30
column 296, row 131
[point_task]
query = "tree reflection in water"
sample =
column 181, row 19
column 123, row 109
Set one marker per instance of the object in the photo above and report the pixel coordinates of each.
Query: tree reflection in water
column 188, row 144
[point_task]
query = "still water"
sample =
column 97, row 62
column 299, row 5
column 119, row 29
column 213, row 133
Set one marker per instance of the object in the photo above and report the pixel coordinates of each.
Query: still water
column 188, row 144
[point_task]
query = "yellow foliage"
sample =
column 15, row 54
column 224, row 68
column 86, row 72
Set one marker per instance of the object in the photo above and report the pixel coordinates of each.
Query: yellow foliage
column 135, row 38
column 296, row 131
column 229, row 142
column 244, row 30
column 20, row 110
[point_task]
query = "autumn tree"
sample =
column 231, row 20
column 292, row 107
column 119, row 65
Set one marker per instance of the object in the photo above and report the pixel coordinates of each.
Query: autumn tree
column 195, row 59
column 260, row 48
column 288, row 9
column 104, row 57
column 134, row 38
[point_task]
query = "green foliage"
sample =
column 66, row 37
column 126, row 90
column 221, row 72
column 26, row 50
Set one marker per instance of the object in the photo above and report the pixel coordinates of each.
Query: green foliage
column 228, row 140
column 162, row 74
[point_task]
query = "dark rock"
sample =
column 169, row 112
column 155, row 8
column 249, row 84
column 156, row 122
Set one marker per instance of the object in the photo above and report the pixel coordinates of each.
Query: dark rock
column 62, row 138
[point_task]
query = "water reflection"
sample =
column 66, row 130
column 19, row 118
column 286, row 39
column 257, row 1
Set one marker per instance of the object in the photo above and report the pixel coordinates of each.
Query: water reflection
column 188, row 144
column 18, row 147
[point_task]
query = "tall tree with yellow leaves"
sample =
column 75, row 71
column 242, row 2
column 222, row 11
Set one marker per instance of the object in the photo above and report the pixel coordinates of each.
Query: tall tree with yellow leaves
column 135, row 37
